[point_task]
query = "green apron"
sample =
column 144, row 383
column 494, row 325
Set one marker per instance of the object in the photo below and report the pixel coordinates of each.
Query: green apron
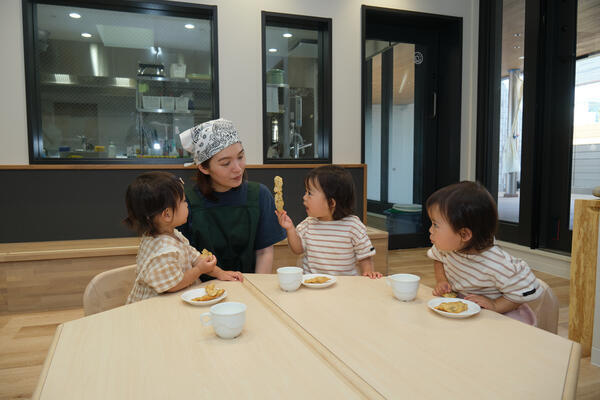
column 226, row 231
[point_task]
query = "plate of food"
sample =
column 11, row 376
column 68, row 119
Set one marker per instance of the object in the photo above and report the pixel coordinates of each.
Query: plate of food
column 204, row 296
column 318, row 280
column 453, row 307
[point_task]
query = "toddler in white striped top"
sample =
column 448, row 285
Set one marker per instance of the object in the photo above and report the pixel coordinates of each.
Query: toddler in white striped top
column 333, row 240
column 464, row 219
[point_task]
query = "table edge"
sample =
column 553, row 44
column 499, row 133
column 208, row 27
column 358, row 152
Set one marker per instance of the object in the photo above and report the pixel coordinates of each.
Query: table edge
column 49, row 357
column 570, row 385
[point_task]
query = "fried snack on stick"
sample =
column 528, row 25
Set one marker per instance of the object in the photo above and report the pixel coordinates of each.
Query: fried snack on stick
column 453, row 307
column 205, row 254
column 317, row 279
column 278, row 189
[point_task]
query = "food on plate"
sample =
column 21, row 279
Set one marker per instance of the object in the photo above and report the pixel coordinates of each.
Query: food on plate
column 450, row 295
column 317, row 279
column 278, row 189
column 205, row 254
column 452, row 307
column 211, row 293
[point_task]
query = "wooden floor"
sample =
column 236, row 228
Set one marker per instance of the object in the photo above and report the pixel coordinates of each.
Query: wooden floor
column 26, row 337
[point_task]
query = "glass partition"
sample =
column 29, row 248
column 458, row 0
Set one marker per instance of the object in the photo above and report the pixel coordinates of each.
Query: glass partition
column 116, row 86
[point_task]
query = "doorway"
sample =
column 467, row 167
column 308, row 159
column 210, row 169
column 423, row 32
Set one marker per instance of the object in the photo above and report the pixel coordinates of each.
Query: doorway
column 412, row 71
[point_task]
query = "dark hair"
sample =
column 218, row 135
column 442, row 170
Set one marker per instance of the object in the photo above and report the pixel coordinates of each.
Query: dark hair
column 468, row 205
column 147, row 196
column 337, row 184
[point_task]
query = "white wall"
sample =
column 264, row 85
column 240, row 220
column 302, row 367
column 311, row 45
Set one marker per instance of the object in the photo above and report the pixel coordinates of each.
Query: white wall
column 240, row 76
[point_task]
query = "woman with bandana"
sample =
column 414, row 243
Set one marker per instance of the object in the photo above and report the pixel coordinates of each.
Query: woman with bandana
column 230, row 216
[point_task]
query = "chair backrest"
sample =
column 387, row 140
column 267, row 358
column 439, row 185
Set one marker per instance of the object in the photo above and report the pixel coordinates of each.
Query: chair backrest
column 108, row 289
column 546, row 309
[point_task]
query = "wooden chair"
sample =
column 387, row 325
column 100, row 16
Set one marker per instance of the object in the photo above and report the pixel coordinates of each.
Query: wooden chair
column 546, row 309
column 108, row 289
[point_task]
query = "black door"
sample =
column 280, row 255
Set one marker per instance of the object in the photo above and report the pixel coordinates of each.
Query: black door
column 411, row 117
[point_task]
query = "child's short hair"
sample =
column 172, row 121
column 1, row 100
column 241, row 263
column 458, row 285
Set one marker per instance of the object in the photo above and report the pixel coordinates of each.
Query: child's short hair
column 337, row 184
column 468, row 205
column 147, row 196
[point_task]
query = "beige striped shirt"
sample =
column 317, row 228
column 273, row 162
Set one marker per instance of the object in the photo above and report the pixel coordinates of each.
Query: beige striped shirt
column 334, row 247
column 492, row 273
column 161, row 263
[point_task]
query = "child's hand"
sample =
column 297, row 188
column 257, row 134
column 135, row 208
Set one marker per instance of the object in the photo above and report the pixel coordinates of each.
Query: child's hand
column 483, row 301
column 229, row 275
column 372, row 274
column 442, row 288
column 284, row 220
column 206, row 264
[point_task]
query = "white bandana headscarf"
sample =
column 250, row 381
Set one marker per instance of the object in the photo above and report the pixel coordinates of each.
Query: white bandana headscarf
column 209, row 138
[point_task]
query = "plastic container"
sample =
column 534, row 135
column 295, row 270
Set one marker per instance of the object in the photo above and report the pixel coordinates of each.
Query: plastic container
column 177, row 70
column 151, row 102
column 167, row 103
column 181, row 103
column 404, row 218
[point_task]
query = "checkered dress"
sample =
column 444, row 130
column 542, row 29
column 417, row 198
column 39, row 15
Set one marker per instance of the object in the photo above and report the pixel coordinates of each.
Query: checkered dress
column 161, row 263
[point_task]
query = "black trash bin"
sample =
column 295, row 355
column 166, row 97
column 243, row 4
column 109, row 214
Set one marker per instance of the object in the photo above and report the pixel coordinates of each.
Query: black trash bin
column 404, row 218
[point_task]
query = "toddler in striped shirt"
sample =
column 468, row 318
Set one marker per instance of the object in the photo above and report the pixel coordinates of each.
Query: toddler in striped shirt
column 464, row 219
column 166, row 262
column 333, row 241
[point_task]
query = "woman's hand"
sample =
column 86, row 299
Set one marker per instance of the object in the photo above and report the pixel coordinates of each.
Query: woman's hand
column 284, row 220
column 228, row 275
column 442, row 288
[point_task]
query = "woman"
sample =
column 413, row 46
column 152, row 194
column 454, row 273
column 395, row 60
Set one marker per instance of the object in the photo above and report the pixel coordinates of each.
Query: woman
column 231, row 217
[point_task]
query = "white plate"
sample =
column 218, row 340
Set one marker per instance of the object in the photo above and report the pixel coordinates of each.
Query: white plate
column 473, row 308
column 330, row 282
column 199, row 292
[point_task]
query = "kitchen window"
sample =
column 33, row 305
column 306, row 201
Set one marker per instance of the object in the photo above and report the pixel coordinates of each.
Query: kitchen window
column 296, row 88
column 117, row 84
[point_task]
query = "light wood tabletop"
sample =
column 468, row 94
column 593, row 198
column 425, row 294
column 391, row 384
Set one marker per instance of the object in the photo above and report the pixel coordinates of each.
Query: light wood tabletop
column 405, row 350
column 351, row 340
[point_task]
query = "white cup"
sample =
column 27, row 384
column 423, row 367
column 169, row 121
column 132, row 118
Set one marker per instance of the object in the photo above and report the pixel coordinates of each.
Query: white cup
column 290, row 278
column 404, row 286
column 227, row 319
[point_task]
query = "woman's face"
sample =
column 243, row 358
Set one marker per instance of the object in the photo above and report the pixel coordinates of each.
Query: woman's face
column 226, row 168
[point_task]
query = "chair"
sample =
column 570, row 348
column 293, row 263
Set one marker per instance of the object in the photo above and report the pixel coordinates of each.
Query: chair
column 108, row 289
column 546, row 309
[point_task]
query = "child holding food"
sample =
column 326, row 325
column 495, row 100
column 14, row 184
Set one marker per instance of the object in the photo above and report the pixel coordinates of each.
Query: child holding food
column 165, row 260
column 333, row 240
column 466, row 261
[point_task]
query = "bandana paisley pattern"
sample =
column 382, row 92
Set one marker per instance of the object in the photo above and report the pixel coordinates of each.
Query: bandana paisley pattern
column 211, row 137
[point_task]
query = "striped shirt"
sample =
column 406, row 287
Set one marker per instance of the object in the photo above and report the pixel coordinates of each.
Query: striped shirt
column 334, row 247
column 492, row 273
column 161, row 262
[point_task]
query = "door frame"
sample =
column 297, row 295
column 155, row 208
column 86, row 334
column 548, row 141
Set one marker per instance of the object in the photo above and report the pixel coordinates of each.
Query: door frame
column 445, row 131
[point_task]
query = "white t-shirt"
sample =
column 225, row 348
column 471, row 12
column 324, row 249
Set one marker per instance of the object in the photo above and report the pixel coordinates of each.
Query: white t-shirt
column 334, row 247
column 492, row 273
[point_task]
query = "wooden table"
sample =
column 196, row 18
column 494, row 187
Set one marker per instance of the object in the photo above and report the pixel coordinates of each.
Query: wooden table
column 352, row 340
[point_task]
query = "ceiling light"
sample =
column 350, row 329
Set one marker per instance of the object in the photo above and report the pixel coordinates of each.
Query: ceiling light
column 75, row 15
column 518, row 34
column 272, row 50
column 86, row 35
column 516, row 47
column 189, row 26
column 287, row 35
column 522, row 58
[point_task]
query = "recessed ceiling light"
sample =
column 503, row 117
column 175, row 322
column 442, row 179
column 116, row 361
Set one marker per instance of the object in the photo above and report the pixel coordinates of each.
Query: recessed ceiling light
column 518, row 34
column 522, row 58
column 287, row 35
column 272, row 50
column 86, row 35
column 75, row 15
column 189, row 26
column 516, row 47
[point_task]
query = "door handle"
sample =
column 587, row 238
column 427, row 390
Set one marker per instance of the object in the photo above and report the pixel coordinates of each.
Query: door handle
column 434, row 114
